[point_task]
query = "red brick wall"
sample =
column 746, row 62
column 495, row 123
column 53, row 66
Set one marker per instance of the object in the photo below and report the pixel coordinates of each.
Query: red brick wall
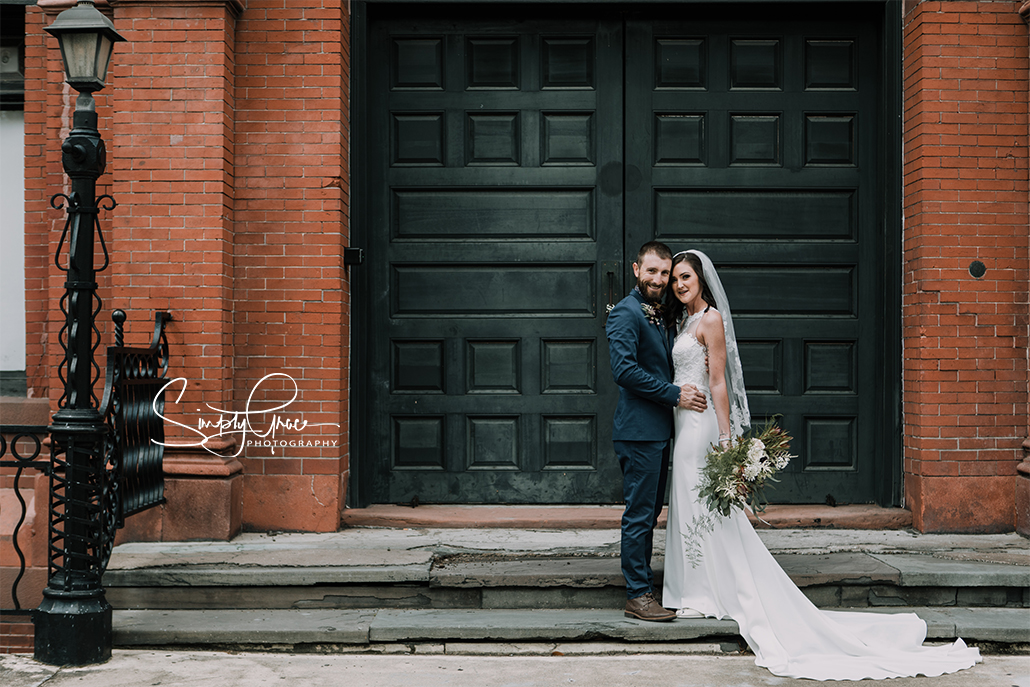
column 17, row 635
column 227, row 135
column 292, row 299
column 232, row 150
column 37, row 184
column 172, row 166
column 966, row 199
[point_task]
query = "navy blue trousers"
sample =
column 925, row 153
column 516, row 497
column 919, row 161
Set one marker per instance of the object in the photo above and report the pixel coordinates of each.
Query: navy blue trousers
column 645, row 471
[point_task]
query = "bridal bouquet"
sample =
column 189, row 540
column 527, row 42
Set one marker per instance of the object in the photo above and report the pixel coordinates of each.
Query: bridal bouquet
column 736, row 476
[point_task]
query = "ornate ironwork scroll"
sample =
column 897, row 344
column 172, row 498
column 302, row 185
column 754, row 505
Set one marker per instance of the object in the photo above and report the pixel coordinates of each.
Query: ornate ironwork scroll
column 12, row 442
column 129, row 479
column 133, row 407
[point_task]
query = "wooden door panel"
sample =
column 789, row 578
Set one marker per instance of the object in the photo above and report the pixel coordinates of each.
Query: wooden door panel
column 754, row 140
column 515, row 165
column 491, row 227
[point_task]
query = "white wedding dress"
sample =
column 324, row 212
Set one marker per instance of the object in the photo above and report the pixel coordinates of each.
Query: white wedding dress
column 736, row 576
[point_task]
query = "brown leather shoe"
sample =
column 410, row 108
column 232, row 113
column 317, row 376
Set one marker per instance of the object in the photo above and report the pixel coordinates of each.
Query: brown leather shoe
column 646, row 607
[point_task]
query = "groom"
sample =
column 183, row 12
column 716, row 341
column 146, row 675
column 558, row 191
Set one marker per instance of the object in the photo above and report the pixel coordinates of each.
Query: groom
column 640, row 348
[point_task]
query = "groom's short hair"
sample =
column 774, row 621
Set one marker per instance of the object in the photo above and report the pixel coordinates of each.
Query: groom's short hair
column 656, row 247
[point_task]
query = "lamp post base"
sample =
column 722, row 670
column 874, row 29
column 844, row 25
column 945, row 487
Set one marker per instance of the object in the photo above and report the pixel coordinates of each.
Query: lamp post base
column 73, row 631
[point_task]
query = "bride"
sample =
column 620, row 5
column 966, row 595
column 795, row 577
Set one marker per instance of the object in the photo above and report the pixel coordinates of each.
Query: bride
column 717, row 566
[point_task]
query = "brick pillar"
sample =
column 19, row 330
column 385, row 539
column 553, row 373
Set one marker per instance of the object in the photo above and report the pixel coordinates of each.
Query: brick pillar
column 227, row 129
column 1023, row 483
column 292, row 295
column 171, row 159
column 966, row 256
column 172, row 163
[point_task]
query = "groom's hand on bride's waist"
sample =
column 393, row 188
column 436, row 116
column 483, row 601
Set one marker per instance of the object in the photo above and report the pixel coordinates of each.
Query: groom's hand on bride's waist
column 692, row 399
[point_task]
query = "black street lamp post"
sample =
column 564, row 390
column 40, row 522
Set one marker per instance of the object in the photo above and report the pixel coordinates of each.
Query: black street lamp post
column 73, row 622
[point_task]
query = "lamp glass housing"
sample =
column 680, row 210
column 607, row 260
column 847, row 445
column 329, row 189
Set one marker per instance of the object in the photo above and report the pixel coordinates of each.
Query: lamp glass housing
column 86, row 58
column 87, row 39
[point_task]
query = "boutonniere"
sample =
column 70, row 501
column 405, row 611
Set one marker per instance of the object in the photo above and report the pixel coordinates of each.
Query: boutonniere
column 653, row 313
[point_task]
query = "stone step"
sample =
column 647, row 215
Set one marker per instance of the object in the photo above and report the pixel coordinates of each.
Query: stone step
column 852, row 516
column 307, row 629
column 420, row 579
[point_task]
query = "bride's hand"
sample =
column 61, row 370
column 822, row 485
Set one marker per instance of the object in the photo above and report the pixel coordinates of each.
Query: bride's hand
column 692, row 399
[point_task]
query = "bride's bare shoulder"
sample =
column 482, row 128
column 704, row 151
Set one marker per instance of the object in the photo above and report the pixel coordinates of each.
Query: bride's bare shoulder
column 712, row 317
column 709, row 329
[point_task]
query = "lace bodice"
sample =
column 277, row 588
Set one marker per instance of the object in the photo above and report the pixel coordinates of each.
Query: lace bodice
column 688, row 356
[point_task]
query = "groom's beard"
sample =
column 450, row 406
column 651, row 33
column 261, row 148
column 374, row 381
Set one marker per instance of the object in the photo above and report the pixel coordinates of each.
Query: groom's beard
column 650, row 292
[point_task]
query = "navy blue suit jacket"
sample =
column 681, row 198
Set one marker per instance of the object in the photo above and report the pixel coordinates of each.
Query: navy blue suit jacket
column 641, row 357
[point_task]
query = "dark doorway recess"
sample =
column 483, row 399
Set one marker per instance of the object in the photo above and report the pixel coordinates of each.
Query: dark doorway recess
column 511, row 165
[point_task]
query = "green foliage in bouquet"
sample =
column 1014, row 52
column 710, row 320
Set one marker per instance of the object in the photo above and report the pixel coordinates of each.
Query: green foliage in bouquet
column 737, row 475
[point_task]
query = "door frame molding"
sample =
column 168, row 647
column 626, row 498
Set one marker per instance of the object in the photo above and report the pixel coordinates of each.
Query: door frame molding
column 888, row 465
column 359, row 484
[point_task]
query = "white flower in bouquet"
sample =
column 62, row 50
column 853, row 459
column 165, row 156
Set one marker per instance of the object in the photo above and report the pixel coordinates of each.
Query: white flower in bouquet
column 736, row 477
column 753, row 468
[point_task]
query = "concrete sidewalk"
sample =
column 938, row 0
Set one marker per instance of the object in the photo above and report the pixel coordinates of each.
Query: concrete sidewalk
column 217, row 669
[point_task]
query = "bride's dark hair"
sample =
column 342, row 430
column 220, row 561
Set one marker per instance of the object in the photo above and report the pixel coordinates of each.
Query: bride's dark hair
column 673, row 306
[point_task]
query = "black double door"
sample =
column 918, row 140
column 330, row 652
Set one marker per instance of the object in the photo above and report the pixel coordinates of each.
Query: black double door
column 514, row 168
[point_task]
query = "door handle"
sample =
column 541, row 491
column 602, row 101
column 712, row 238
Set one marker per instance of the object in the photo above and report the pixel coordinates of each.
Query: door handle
column 611, row 270
column 611, row 292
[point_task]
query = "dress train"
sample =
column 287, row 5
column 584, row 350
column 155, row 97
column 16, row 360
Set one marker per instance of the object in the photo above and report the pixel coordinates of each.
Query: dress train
column 726, row 571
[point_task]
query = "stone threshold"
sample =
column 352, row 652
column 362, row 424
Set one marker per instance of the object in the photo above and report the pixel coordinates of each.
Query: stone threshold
column 858, row 516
